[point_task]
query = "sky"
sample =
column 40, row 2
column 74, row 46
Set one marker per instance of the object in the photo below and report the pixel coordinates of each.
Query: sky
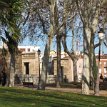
column 41, row 44
column 28, row 42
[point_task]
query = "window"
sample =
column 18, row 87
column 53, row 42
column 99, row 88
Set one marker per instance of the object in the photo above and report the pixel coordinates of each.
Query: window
column 99, row 70
column 26, row 64
column 50, row 68
column 28, row 49
column 105, row 70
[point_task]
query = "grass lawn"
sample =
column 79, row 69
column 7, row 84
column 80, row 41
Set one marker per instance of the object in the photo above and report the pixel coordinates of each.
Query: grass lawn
column 14, row 97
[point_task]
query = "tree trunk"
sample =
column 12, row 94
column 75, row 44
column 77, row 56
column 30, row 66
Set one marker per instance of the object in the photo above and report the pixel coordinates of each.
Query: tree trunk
column 93, row 65
column 85, row 75
column 75, row 70
column 96, row 90
column 86, row 63
column 42, row 83
column 74, row 59
column 92, row 62
column 12, row 70
column 43, row 76
column 58, row 79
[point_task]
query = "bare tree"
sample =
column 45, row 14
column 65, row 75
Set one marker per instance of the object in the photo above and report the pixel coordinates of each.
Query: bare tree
column 11, row 14
column 68, row 15
column 89, row 14
column 45, row 17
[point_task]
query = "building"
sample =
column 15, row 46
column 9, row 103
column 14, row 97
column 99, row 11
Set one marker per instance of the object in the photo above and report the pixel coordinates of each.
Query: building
column 67, row 66
column 102, row 65
column 29, row 63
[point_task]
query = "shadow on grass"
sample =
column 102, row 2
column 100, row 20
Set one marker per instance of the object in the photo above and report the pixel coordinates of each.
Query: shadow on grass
column 30, row 98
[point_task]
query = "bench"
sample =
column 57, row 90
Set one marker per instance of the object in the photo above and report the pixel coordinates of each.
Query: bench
column 28, row 84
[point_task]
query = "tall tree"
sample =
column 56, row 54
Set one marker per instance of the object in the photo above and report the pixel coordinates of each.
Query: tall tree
column 89, row 14
column 10, row 18
column 12, row 47
column 69, row 15
column 46, row 17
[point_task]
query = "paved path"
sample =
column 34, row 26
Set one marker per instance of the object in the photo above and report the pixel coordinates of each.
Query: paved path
column 75, row 90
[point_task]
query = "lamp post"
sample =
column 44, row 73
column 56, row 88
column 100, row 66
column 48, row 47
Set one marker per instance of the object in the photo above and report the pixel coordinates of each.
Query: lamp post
column 39, row 52
column 101, row 37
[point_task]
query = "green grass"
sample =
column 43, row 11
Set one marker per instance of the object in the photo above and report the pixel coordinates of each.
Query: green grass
column 14, row 97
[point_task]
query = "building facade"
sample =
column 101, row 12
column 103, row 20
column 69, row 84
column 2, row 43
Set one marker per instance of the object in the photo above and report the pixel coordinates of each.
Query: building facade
column 29, row 64
column 67, row 67
column 26, row 64
column 102, row 65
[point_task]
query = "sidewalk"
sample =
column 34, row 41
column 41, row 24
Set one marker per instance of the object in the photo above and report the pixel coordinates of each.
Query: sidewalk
column 75, row 90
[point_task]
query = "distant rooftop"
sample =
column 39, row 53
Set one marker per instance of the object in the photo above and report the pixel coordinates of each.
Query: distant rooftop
column 25, row 49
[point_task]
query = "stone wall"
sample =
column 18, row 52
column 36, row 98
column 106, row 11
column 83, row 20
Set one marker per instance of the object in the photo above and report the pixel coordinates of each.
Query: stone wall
column 66, row 68
column 32, row 59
